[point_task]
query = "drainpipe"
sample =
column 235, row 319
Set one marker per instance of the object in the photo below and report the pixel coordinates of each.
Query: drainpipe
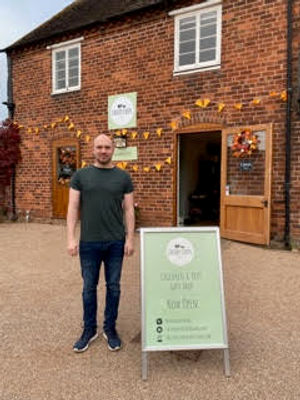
column 288, row 123
column 11, row 111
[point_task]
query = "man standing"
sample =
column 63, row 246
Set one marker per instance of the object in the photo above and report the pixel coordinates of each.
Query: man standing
column 102, row 193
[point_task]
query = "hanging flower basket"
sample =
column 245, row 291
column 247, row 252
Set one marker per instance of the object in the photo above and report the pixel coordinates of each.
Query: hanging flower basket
column 244, row 143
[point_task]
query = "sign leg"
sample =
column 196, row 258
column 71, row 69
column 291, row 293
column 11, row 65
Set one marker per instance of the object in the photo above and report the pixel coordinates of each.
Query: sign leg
column 144, row 365
column 226, row 363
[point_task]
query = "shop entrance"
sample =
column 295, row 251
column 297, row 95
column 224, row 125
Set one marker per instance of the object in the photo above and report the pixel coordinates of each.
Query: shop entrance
column 199, row 165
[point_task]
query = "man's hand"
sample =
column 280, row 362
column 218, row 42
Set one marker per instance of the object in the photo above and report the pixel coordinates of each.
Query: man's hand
column 73, row 248
column 128, row 249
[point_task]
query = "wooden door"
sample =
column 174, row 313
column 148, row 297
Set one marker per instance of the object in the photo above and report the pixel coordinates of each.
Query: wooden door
column 246, row 188
column 65, row 161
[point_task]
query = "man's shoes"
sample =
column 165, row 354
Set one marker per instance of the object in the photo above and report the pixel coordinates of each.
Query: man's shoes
column 88, row 335
column 113, row 340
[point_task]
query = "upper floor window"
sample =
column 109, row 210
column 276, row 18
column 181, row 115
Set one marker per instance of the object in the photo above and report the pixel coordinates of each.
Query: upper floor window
column 198, row 37
column 66, row 66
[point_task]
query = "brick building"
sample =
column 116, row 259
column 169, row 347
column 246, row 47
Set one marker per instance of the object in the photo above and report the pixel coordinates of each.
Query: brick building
column 178, row 80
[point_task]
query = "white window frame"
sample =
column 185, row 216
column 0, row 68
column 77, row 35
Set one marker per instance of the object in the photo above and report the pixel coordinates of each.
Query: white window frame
column 196, row 11
column 66, row 46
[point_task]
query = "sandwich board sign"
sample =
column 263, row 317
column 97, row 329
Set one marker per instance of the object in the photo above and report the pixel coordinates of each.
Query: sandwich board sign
column 183, row 305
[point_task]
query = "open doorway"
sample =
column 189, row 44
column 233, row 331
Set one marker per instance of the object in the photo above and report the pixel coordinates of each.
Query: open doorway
column 199, row 167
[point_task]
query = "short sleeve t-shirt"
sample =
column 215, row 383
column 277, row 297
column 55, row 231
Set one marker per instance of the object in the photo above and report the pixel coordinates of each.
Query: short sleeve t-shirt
column 102, row 192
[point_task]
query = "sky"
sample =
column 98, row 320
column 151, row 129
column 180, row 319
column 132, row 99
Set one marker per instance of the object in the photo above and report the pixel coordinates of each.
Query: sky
column 17, row 18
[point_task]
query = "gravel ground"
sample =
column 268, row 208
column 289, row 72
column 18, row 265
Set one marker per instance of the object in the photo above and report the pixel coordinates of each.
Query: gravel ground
column 40, row 318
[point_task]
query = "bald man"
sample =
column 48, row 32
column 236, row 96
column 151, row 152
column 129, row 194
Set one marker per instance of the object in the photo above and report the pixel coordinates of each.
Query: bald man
column 102, row 193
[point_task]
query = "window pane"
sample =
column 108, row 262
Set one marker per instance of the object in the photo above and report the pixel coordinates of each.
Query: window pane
column 73, row 81
column 207, row 55
column 60, row 84
column 187, row 35
column 60, row 66
column 60, row 75
column 246, row 175
column 208, row 18
column 209, row 43
column 209, row 30
column 73, row 63
column 74, row 72
column 60, row 56
column 187, row 23
column 187, row 59
column 187, row 47
column 73, row 53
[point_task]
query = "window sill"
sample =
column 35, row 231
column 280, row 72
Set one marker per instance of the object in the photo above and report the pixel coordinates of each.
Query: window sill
column 195, row 70
column 65, row 91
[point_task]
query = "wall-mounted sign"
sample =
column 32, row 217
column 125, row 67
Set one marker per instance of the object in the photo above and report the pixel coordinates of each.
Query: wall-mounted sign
column 122, row 111
column 246, row 165
column 125, row 154
column 182, row 291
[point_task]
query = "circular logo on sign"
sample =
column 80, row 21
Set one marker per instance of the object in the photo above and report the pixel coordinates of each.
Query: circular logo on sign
column 122, row 111
column 180, row 251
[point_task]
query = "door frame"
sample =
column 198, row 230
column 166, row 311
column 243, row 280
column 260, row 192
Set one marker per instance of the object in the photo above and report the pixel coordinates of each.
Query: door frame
column 198, row 128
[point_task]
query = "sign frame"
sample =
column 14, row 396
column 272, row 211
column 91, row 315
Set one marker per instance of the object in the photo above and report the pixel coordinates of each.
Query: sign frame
column 146, row 348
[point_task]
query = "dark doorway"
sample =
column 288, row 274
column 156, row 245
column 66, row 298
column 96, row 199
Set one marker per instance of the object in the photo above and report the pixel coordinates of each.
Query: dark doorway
column 199, row 179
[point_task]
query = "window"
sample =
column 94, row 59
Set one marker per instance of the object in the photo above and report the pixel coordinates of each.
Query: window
column 66, row 66
column 198, row 37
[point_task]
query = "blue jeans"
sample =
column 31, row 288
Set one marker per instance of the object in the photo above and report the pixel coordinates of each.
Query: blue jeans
column 91, row 256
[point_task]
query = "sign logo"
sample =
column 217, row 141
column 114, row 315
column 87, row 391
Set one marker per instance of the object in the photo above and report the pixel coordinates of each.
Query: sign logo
column 180, row 251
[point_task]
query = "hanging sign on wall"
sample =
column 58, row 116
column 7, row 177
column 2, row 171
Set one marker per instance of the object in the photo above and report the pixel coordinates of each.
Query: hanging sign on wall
column 122, row 111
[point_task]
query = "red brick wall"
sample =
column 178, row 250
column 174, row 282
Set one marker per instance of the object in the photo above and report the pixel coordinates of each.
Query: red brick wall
column 135, row 53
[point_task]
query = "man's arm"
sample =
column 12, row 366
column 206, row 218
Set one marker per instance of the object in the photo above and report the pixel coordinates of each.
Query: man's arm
column 72, row 217
column 129, row 220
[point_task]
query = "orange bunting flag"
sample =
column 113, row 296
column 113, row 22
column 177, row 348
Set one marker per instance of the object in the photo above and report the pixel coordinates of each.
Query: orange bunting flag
column 221, row 107
column 146, row 169
column 159, row 132
column 168, row 160
column 273, row 94
column 21, row 126
column 71, row 126
column 187, row 114
column 256, row 102
column 45, row 126
column 135, row 168
column 122, row 165
column 134, row 134
column 173, row 125
column 124, row 132
column 60, row 120
column 36, row 130
column 66, row 119
column 87, row 138
column 83, row 164
column 146, row 135
column 202, row 103
column 118, row 133
column 79, row 133
column 158, row 167
column 29, row 130
column 238, row 106
column 283, row 95
column 53, row 125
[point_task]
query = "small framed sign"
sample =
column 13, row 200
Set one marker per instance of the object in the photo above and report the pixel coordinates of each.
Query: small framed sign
column 120, row 142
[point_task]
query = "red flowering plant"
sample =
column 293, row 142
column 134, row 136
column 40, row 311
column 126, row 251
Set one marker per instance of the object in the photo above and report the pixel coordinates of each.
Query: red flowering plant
column 10, row 153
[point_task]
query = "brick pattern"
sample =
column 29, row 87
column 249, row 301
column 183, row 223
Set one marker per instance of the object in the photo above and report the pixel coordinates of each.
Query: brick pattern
column 135, row 53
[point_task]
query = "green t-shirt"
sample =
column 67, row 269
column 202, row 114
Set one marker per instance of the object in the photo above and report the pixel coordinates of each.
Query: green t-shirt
column 101, row 195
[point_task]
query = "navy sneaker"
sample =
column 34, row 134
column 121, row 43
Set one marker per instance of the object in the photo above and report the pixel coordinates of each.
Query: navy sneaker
column 113, row 340
column 88, row 336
